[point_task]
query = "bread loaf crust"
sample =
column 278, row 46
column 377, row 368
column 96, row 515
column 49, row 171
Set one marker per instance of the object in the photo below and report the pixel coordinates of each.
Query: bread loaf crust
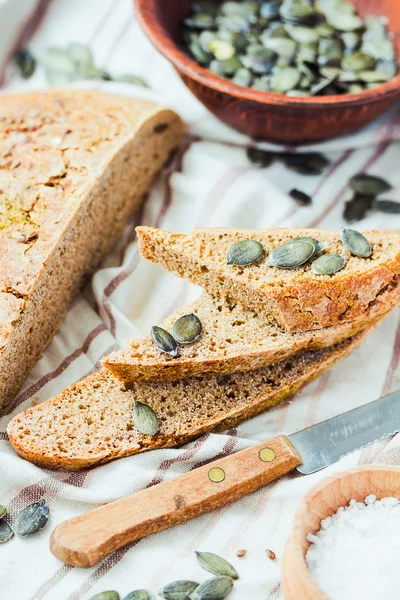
column 74, row 166
column 297, row 299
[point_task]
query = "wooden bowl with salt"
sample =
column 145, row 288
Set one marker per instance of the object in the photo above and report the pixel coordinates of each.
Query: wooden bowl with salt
column 322, row 501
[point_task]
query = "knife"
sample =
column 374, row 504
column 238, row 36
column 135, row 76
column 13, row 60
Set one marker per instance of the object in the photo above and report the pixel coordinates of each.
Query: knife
column 85, row 540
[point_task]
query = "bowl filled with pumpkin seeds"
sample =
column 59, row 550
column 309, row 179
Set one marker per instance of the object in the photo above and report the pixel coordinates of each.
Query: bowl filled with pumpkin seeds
column 288, row 71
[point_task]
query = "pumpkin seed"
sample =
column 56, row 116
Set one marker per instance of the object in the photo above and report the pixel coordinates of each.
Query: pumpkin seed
column 357, row 208
column 387, row 206
column 222, row 50
column 178, row 590
column 140, row 595
column 315, row 243
column 202, row 57
column 81, row 56
column 110, row 595
column 199, row 21
column 3, row 511
column 270, row 10
column 369, row 185
column 300, row 197
column 351, row 40
column 284, row 47
column 57, row 60
column 355, row 88
column 217, row 588
column 260, row 158
column 164, row 340
column 297, row 93
column 344, row 22
column 244, row 253
column 330, row 52
column 387, row 68
column 284, row 80
column 32, row 519
column 327, row 264
column 296, row 12
column 379, row 49
column 260, row 60
column 306, row 163
column 132, row 79
column 358, row 61
column 301, row 34
column 242, row 77
column 356, row 243
column 290, row 255
column 6, row 533
column 144, row 418
column 187, row 329
column 262, row 84
column 25, row 62
column 236, row 23
column 372, row 76
column 216, row 564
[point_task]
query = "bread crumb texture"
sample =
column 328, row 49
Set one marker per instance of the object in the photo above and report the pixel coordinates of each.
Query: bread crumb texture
column 91, row 421
column 296, row 299
column 232, row 339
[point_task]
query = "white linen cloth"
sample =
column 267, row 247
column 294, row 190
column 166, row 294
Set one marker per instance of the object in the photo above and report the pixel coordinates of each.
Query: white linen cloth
column 214, row 186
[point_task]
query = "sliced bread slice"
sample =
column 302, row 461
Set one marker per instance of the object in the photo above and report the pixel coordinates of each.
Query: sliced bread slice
column 91, row 422
column 232, row 339
column 297, row 299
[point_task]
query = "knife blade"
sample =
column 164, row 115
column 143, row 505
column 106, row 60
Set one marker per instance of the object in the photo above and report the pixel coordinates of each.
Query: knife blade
column 86, row 539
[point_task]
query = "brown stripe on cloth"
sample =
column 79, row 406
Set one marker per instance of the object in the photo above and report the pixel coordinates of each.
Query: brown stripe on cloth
column 26, row 33
column 48, row 585
column 380, row 150
column 325, row 177
column 33, row 389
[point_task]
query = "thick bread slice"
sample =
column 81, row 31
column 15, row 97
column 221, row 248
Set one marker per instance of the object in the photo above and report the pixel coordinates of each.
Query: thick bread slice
column 296, row 299
column 91, row 423
column 74, row 166
column 232, row 339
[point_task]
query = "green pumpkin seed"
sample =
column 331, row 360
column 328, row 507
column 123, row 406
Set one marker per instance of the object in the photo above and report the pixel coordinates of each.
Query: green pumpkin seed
column 357, row 208
column 306, row 163
column 325, row 30
column 282, row 46
column 144, row 418
column 300, row 197
column 217, row 588
column 222, row 50
column 330, row 52
column 178, row 590
column 242, row 77
column 187, row 329
column 284, row 80
column 301, row 34
column 270, row 10
column 200, row 21
column 57, row 60
column 351, row 40
column 81, row 56
column 387, row 67
column 344, row 22
column 132, row 79
column 372, row 76
column 216, row 564
column 140, row 595
column 260, row 158
column 6, row 533
column 236, row 23
column 296, row 12
column 32, row 519
column 25, row 62
column 315, row 243
column 369, row 185
column 110, row 595
column 260, row 60
column 290, row 255
column 327, row 264
column 356, row 243
column 244, row 253
column 379, row 49
column 261, row 84
column 164, row 340
column 358, row 61
column 3, row 511
column 297, row 94
column 387, row 206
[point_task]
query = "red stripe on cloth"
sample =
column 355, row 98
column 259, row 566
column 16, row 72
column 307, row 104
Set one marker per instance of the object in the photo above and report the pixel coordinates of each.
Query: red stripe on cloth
column 33, row 389
column 25, row 34
column 339, row 196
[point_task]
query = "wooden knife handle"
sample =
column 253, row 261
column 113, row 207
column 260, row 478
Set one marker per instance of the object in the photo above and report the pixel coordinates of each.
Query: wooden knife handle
column 85, row 540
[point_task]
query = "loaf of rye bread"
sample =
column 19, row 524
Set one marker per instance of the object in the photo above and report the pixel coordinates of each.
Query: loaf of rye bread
column 232, row 339
column 74, row 166
column 91, row 422
column 296, row 299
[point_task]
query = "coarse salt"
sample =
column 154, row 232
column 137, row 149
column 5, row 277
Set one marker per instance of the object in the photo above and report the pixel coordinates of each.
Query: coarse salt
column 355, row 554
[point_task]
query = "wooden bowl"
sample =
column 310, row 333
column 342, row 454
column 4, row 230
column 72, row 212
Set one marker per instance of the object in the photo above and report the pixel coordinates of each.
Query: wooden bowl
column 263, row 115
column 322, row 501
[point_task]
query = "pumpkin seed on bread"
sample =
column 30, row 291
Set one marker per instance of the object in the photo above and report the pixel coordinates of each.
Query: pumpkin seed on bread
column 295, row 298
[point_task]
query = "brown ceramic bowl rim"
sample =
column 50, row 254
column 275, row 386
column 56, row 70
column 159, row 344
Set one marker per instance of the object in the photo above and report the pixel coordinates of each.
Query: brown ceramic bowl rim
column 296, row 539
column 146, row 13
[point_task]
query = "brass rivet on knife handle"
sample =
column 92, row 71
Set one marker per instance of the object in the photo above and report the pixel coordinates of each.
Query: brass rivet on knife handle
column 267, row 454
column 216, row 475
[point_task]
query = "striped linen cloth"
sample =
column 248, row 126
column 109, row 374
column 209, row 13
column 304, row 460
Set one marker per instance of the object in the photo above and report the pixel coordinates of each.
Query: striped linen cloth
column 209, row 183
